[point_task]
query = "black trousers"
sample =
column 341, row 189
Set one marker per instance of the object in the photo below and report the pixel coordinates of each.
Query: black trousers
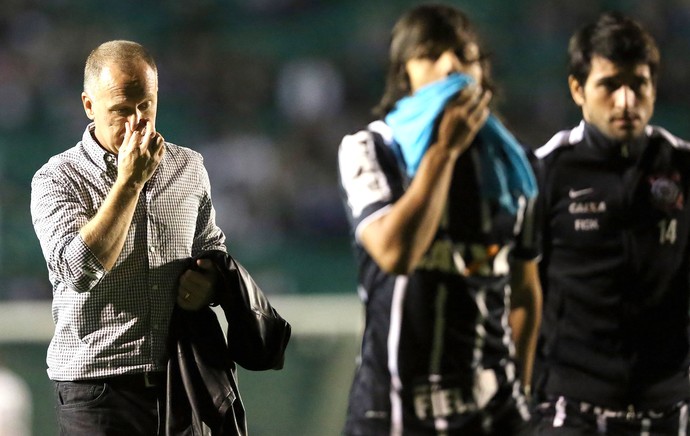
column 110, row 407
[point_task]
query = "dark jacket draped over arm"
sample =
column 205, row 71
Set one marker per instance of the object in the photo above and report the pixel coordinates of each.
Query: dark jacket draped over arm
column 202, row 383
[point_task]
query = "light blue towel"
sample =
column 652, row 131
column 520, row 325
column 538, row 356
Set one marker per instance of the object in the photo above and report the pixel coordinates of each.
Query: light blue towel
column 505, row 172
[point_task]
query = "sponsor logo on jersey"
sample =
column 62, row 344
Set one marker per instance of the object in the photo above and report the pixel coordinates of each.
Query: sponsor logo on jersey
column 577, row 193
column 466, row 259
column 440, row 403
column 586, row 208
column 586, row 225
column 433, row 400
column 577, row 208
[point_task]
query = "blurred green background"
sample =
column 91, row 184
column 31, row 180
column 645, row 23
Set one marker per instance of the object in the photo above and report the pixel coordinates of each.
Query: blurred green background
column 265, row 90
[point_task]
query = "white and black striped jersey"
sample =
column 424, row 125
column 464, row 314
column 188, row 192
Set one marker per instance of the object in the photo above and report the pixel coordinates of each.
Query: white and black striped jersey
column 615, row 268
column 437, row 347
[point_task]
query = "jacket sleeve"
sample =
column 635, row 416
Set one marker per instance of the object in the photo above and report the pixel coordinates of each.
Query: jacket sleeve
column 257, row 335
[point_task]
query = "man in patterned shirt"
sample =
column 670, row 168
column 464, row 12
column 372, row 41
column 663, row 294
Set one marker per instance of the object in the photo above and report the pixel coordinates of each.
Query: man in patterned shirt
column 118, row 216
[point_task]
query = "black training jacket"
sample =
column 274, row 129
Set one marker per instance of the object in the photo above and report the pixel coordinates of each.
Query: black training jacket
column 615, row 268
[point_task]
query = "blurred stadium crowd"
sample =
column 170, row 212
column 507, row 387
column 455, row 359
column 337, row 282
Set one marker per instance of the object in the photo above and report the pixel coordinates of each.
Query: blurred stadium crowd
column 265, row 90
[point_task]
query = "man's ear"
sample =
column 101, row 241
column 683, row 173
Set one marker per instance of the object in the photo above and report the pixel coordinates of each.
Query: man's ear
column 88, row 105
column 577, row 91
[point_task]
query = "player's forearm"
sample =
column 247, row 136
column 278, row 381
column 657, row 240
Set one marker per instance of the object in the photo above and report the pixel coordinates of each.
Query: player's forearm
column 524, row 324
column 525, row 315
column 398, row 240
column 106, row 232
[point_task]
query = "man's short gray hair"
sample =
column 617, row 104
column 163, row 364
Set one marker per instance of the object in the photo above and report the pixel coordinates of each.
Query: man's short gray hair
column 119, row 51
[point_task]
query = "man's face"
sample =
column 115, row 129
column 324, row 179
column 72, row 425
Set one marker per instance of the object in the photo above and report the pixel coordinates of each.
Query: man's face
column 617, row 99
column 423, row 71
column 122, row 93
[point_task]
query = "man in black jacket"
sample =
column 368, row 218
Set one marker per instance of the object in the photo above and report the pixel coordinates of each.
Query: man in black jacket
column 616, row 255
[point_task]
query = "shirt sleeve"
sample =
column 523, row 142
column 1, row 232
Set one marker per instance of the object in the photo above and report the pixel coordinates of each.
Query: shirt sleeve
column 366, row 187
column 208, row 236
column 57, row 214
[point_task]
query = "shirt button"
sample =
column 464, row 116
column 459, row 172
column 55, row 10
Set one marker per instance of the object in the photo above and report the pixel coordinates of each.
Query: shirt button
column 152, row 249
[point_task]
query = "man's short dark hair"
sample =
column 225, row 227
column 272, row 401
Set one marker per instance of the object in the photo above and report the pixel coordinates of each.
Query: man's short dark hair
column 615, row 37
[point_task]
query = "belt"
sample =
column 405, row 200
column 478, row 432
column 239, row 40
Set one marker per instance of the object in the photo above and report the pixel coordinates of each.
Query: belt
column 138, row 380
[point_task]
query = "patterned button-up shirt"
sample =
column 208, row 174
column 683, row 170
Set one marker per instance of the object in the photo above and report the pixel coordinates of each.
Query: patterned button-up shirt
column 115, row 322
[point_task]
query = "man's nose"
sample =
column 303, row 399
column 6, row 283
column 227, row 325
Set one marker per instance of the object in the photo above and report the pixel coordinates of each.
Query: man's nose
column 624, row 97
column 137, row 120
column 133, row 121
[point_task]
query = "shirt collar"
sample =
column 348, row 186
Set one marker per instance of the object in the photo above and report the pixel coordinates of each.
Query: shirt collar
column 104, row 159
column 607, row 148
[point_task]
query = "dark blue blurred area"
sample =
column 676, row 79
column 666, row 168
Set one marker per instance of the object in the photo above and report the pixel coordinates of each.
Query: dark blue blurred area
column 265, row 90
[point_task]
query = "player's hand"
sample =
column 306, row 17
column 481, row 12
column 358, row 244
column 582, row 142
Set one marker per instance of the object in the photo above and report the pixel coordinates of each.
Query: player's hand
column 197, row 286
column 140, row 154
column 462, row 119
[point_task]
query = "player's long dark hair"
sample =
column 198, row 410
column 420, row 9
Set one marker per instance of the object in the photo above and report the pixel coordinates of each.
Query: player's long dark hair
column 427, row 31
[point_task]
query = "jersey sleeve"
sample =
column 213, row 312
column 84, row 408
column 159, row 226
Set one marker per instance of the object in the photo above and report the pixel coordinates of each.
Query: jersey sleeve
column 366, row 187
column 528, row 243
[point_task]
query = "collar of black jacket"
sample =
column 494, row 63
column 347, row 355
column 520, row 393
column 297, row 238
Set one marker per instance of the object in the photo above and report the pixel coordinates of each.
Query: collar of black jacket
column 607, row 149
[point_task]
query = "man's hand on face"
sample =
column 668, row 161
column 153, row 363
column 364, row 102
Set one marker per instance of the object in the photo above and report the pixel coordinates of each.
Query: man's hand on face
column 140, row 153
column 463, row 118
